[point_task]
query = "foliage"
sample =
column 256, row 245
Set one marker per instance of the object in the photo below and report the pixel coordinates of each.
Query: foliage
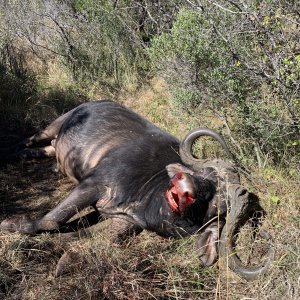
column 240, row 61
column 108, row 51
column 90, row 37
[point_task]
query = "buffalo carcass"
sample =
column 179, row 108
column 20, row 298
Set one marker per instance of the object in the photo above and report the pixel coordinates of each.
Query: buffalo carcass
column 143, row 178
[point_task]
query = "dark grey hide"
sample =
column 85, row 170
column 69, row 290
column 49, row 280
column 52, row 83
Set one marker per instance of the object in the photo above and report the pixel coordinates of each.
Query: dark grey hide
column 123, row 165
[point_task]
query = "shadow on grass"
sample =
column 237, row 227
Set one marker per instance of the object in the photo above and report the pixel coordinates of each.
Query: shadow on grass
column 24, row 111
column 27, row 187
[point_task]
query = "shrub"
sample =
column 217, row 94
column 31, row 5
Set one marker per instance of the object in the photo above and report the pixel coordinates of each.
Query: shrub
column 241, row 62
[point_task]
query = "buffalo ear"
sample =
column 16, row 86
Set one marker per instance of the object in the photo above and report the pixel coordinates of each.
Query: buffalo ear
column 206, row 245
column 177, row 168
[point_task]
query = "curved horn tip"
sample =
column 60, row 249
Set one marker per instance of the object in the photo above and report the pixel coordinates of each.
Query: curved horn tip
column 249, row 273
column 185, row 148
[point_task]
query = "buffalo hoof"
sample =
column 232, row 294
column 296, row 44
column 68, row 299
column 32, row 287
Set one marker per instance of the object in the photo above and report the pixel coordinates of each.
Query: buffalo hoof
column 69, row 262
column 21, row 224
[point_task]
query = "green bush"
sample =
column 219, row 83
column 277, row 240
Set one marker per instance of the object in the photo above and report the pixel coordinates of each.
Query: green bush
column 237, row 61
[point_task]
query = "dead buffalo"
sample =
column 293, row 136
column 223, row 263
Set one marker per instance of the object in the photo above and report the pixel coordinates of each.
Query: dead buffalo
column 143, row 178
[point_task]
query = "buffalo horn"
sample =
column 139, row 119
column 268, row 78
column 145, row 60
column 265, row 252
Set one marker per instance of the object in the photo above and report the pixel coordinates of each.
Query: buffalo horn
column 243, row 205
column 185, row 148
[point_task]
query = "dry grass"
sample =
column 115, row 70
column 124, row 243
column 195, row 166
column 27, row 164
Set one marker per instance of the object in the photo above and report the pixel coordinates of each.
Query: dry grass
column 147, row 267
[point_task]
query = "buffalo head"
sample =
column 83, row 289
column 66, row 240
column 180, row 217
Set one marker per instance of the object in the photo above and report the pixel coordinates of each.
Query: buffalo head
column 232, row 206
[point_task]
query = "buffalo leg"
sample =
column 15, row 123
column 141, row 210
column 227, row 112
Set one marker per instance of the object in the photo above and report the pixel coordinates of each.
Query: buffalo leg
column 16, row 153
column 42, row 152
column 48, row 134
column 25, row 149
column 82, row 196
column 118, row 230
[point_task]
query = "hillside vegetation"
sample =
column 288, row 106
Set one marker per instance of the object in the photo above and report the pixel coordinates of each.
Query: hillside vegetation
column 233, row 66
